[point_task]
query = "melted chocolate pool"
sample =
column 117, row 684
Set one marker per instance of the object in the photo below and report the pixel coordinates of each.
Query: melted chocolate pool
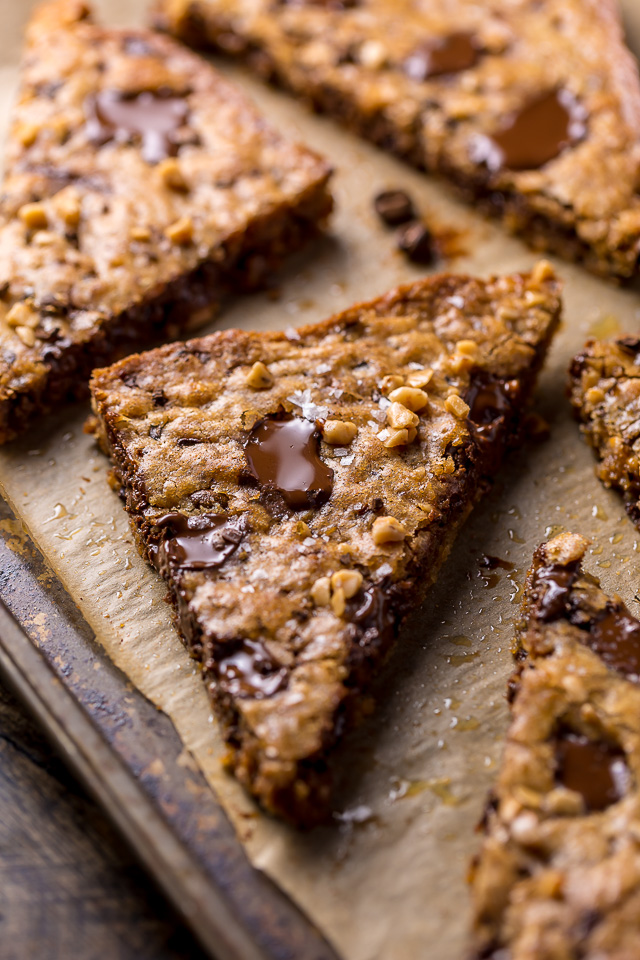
column 490, row 402
column 538, row 133
column 594, row 769
column 616, row 639
column 283, row 455
column 202, row 542
column 553, row 587
column 458, row 51
column 153, row 118
column 247, row 670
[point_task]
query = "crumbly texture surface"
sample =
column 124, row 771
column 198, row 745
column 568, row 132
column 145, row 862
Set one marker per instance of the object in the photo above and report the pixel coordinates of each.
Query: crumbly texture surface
column 604, row 384
column 558, row 875
column 307, row 599
column 366, row 62
column 140, row 187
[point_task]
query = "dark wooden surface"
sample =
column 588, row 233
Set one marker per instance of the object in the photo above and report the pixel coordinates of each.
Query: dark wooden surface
column 69, row 889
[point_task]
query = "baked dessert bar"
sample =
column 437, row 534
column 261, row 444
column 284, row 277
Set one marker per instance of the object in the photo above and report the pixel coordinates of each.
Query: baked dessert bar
column 532, row 109
column 300, row 490
column 140, row 187
column 558, row 875
column 605, row 393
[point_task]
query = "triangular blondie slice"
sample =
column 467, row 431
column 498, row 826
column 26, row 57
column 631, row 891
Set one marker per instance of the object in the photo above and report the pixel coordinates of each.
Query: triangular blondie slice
column 140, row 187
column 605, row 394
column 299, row 492
column 558, row 874
column 532, row 109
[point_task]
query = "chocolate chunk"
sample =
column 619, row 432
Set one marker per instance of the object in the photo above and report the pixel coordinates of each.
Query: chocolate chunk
column 248, row 670
column 552, row 586
column 616, row 639
column 202, row 542
column 372, row 613
column 458, row 51
column 594, row 769
column 153, row 118
column 538, row 133
column 394, row 207
column 491, row 401
column 416, row 242
column 283, row 455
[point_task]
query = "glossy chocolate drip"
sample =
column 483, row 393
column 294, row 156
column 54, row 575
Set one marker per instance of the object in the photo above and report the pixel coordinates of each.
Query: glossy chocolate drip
column 538, row 133
column 594, row 769
column 616, row 639
column 247, row 670
column 490, row 401
column 458, row 51
column 283, row 455
column 152, row 118
column 203, row 542
column 552, row 588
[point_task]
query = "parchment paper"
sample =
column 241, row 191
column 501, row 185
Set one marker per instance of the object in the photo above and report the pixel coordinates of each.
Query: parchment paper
column 387, row 881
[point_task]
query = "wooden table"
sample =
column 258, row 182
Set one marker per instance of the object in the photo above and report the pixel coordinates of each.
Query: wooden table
column 69, row 889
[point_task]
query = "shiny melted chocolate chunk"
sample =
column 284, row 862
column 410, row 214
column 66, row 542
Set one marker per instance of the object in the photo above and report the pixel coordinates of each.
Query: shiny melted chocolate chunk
column 371, row 611
column 246, row 669
column 452, row 54
column 594, row 769
column 538, row 133
column 490, row 401
column 415, row 240
column 283, row 455
column 552, row 587
column 202, row 542
column 149, row 117
column 630, row 345
column 616, row 640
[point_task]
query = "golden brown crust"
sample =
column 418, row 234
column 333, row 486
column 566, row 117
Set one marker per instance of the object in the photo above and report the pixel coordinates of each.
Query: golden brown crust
column 558, row 874
column 319, row 591
column 350, row 59
column 111, row 237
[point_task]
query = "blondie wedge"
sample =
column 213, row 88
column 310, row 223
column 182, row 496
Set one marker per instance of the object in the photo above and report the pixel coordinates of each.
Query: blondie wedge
column 300, row 490
column 532, row 109
column 605, row 393
column 140, row 186
column 558, row 875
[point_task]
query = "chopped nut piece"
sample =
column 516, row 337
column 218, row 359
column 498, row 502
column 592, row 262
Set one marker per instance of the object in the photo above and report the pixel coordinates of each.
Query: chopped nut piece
column 390, row 383
column 338, row 602
column 321, row 592
column 393, row 438
column 180, row 232
column 410, row 397
column 259, row 377
column 387, row 530
column 340, row 432
column 467, row 348
column 172, row 176
column 542, row 271
column 27, row 133
column 594, row 395
column 66, row 204
column 420, row 378
column 22, row 314
column 457, row 407
column 27, row 335
column 34, row 216
column 140, row 234
column 400, row 418
column 372, row 54
column 349, row 581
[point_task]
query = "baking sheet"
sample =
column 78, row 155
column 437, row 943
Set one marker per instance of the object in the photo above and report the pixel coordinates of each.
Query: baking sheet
column 389, row 876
